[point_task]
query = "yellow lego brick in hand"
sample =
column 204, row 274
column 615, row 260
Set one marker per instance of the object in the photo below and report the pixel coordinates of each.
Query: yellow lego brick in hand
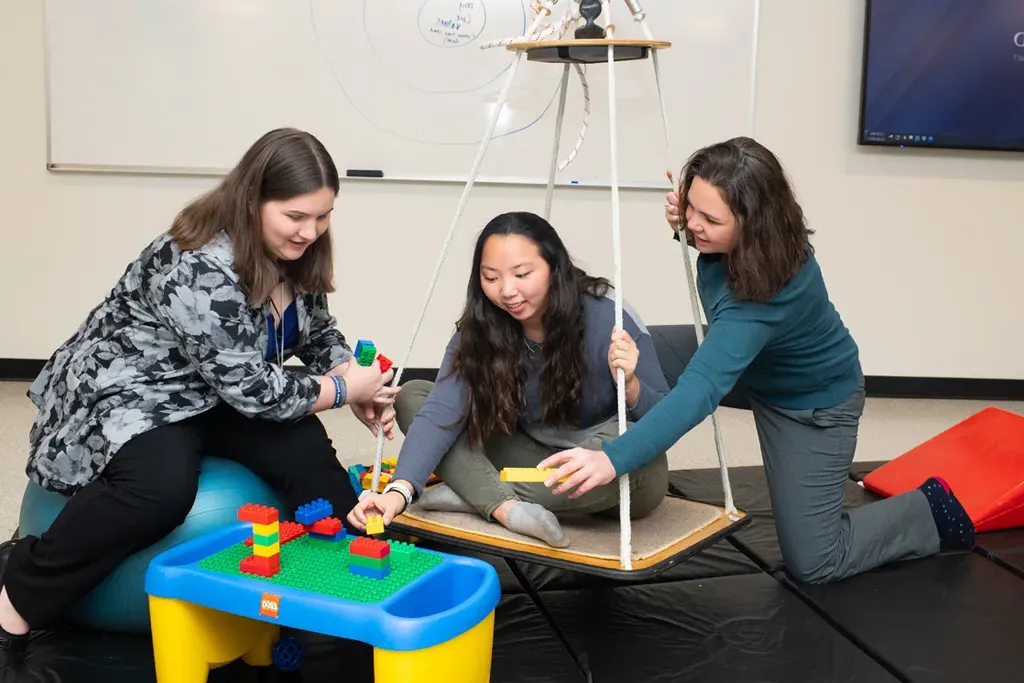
column 528, row 474
column 374, row 524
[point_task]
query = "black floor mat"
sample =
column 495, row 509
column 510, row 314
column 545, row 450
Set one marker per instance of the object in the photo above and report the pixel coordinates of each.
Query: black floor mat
column 721, row 559
column 72, row 655
column 526, row 650
column 736, row 629
column 1005, row 548
column 955, row 618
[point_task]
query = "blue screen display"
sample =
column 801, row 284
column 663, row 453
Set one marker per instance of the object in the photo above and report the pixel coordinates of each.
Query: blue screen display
column 944, row 73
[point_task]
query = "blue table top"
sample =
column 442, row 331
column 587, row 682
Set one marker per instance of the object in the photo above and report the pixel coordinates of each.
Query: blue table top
column 446, row 601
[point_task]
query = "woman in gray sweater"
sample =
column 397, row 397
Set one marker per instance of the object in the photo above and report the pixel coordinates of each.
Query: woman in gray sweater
column 530, row 371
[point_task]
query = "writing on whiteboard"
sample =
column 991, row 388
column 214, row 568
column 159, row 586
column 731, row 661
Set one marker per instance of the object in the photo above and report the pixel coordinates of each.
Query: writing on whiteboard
column 452, row 23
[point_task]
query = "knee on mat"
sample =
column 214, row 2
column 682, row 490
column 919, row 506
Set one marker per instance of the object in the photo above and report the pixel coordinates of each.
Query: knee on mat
column 809, row 570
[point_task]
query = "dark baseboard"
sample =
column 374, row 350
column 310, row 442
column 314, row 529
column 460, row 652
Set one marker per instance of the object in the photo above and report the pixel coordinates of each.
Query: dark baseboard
column 945, row 387
column 25, row 370
column 20, row 369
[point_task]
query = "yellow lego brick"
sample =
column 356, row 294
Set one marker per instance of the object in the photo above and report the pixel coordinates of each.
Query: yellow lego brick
column 528, row 474
column 390, row 461
column 384, row 478
column 266, row 529
column 374, row 524
column 266, row 550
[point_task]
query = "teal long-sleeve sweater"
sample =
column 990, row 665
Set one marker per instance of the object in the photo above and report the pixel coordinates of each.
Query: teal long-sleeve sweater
column 792, row 352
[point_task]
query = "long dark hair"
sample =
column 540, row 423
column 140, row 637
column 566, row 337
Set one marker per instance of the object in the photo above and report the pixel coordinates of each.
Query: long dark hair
column 491, row 355
column 772, row 233
column 282, row 164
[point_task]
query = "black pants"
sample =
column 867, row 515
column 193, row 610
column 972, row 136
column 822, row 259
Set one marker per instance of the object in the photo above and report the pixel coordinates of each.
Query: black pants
column 148, row 489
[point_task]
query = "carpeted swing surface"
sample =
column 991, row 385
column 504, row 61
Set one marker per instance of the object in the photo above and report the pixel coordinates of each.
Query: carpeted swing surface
column 676, row 529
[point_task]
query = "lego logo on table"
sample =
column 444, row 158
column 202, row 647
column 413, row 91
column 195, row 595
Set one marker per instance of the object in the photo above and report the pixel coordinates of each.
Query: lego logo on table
column 270, row 605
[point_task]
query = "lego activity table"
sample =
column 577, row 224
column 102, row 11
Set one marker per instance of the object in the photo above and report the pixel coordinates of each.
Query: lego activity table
column 430, row 612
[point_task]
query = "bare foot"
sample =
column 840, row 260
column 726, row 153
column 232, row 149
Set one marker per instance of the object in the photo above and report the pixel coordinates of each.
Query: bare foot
column 10, row 620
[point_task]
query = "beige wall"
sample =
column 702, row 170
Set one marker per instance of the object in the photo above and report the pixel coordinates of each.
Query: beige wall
column 922, row 251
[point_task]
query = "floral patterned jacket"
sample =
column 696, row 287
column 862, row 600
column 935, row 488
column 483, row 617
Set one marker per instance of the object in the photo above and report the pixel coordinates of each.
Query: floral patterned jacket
column 172, row 339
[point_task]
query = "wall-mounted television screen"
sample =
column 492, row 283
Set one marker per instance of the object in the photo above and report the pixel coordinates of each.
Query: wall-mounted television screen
column 943, row 73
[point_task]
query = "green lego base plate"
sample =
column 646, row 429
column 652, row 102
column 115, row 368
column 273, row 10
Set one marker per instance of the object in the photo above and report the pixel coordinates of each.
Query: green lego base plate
column 321, row 567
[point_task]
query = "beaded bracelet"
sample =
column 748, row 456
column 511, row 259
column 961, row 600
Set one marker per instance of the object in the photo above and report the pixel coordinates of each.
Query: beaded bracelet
column 339, row 391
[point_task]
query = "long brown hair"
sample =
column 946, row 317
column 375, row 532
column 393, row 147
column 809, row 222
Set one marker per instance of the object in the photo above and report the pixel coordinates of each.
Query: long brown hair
column 491, row 355
column 772, row 233
column 283, row 164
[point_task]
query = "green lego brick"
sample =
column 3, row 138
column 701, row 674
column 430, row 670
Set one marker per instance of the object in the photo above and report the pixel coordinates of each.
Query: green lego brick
column 326, row 545
column 270, row 539
column 401, row 548
column 371, row 562
column 323, row 568
column 365, row 352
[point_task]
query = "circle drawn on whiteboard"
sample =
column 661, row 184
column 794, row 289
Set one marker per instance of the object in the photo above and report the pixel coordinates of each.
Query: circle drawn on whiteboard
column 415, row 90
column 415, row 54
column 452, row 23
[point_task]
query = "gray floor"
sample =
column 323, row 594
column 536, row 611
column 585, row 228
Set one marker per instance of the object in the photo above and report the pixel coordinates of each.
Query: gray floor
column 889, row 427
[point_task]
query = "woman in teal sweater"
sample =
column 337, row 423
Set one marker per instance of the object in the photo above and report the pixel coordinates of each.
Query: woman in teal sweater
column 774, row 331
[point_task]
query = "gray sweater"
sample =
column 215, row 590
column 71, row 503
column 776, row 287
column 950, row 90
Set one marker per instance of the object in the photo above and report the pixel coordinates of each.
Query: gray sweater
column 430, row 436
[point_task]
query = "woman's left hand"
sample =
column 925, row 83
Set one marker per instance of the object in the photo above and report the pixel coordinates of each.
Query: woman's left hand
column 372, row 413
column 584, row 468
column 623, row 353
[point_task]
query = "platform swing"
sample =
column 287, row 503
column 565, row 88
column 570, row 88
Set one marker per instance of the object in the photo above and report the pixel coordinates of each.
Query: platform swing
column 678, row 528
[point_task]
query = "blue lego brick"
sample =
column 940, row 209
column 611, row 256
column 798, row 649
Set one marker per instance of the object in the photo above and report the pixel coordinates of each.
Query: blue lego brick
column 313, row 512
column 334, row 539
column 369, row 572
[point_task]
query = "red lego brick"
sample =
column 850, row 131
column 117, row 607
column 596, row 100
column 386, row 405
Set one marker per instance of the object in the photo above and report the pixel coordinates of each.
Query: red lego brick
column 327, row 527
column 257, row 514
column 260, row 566
column 385, row 362
column 287, row 532
column 369, row 547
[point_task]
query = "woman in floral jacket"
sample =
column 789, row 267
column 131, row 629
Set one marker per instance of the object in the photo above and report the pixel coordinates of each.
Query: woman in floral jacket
column 184, row 357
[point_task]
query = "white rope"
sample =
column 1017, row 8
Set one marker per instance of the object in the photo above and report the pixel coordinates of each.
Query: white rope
column 625, row 535
column 730, row 507
column 586, row 118
column 546, row 6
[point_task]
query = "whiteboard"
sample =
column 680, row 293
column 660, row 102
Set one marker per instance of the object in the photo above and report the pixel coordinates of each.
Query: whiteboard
column 404, row 87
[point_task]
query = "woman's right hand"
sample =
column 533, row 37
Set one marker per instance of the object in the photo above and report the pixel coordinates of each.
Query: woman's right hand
column 366, row 384
column 388, row 505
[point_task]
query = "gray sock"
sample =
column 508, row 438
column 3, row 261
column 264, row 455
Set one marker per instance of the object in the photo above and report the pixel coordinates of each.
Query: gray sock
column 531, row 519
column 441, row 498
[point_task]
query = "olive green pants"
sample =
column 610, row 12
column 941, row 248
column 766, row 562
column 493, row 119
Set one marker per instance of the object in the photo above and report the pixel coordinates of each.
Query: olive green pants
column 473, row 473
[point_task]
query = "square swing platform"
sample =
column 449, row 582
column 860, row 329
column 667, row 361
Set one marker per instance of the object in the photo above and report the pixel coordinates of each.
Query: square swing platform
column 677, row 529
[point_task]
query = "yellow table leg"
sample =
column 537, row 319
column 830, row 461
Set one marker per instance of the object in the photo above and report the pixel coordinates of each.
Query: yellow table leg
column 189, row 640
column 465, row 658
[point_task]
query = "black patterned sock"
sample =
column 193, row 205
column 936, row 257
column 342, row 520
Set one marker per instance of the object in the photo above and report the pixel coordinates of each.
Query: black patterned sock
column 951, row 519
